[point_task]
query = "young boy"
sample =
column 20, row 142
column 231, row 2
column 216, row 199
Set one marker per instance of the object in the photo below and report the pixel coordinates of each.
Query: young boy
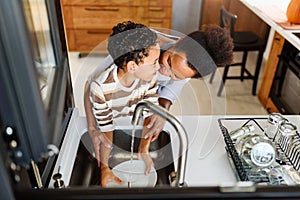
column 116, row 91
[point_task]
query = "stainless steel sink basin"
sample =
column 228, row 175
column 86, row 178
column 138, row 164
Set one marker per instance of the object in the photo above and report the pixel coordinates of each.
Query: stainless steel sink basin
column 86, row 173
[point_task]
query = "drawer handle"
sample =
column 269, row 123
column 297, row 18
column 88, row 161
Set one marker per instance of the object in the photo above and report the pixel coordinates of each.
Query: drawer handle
column 94, row 32
column 102, row 9
column 278, row 39
column 156, row 9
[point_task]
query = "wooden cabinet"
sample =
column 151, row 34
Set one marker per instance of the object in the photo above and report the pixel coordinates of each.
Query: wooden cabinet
column 246, row 21
column 88, row 23
column 270, row 107
column 269, row 73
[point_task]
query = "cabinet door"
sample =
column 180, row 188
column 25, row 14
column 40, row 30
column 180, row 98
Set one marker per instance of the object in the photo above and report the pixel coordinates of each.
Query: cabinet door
column 210, row 12
column 270, row 68
column 89, row 22
column 87, row 40
column 98, row 17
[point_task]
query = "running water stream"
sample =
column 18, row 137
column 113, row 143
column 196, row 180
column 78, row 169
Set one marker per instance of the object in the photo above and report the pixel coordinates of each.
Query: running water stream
column 132, row 143
column 131, row 157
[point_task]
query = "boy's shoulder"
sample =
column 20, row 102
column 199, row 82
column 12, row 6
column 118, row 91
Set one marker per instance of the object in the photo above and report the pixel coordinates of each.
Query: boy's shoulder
column 107, row 76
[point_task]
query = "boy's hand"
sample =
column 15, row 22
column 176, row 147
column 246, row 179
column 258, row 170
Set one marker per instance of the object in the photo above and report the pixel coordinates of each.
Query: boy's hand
column 99, row 138
column 107, row 175
column 148, row 161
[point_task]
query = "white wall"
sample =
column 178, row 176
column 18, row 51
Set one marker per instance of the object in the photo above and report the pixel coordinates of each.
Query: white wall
column 186, row 15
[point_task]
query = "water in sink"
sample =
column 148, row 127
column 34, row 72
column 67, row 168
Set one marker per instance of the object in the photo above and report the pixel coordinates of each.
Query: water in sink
column 86, row 173
column 132, row 172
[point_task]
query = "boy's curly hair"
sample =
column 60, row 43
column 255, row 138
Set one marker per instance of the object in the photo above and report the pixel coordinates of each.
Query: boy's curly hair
column 206, row 49
column 130, row 41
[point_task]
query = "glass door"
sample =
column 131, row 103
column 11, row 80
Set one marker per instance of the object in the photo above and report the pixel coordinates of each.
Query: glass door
column 34, row 80
column 44, row 59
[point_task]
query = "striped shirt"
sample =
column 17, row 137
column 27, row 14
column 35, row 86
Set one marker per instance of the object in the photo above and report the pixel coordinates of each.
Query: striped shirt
column 110, row 99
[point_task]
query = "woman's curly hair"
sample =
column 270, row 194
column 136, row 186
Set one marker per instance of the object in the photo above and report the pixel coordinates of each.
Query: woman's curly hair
column 130, row 41
column 219, row 44
column 206, row 49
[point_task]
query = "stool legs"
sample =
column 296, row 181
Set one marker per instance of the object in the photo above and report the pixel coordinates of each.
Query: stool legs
column 223, row 79
column 243, row 70
column 244, row 60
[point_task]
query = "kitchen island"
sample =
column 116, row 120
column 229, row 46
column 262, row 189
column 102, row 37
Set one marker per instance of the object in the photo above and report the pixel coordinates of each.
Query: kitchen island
column 208, row 173
column 207, row 161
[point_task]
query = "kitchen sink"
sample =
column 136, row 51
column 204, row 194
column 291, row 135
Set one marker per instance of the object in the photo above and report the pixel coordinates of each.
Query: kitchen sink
column 86, row 173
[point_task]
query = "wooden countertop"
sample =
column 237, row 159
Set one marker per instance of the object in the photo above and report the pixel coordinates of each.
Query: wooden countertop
column 263, row 8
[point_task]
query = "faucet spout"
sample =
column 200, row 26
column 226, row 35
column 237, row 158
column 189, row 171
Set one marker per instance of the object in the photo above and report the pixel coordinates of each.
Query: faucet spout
column 179, row 129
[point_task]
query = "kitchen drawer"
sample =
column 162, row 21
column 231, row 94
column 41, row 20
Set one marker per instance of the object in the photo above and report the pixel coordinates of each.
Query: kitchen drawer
column 156, row 12
column 88, row 22
column 102, row 2
column 89, row 17
column 87, row 40
column 159, row 23
column 157, row 3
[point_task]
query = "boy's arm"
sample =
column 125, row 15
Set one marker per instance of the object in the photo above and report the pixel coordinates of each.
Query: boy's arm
column 106, row 173
column 91, row 121
column 144, row 146
column 95, row 134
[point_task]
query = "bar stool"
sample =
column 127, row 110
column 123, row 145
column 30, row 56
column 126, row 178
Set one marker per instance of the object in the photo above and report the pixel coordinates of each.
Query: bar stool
column 244, row 41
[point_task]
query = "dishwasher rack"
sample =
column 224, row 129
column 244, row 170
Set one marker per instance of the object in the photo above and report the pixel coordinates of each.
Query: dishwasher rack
column 239, row 166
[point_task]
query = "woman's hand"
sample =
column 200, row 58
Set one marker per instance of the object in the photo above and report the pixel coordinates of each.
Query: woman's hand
column 154, row 127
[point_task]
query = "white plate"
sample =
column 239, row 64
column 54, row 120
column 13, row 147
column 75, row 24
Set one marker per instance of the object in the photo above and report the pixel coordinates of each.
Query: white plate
column 133, row 172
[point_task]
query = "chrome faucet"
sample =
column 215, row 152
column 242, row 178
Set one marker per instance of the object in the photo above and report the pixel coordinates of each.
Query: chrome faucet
column 179, row 181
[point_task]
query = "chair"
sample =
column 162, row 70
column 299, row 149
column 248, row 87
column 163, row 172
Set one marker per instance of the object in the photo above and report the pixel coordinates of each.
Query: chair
column 243, row 42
